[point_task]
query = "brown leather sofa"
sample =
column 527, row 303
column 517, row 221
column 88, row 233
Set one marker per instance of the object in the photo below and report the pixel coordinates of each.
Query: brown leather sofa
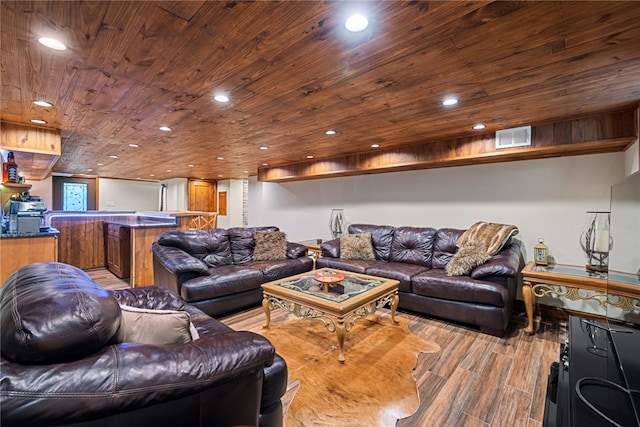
column 214, row 269
column 417, row 257
column 61, row 364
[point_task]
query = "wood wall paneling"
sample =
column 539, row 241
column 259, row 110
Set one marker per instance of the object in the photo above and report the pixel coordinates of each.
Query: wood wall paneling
column 18, row 252
column 595, row 134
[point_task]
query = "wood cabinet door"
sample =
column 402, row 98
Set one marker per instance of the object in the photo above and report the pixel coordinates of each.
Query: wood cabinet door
column 202, row 196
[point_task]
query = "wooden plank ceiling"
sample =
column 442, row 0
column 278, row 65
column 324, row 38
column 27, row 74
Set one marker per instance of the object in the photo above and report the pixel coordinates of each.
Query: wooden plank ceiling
column 292, row 71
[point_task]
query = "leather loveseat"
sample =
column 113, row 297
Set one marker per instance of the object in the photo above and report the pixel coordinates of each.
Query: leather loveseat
column 216, row 270
column 418, row 256
column 64, row 361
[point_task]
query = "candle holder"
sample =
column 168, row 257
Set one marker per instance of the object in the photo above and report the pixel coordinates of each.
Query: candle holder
column 596, row 242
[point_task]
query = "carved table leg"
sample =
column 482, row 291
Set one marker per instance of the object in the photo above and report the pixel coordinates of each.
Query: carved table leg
column 341, row 333
column 267, row 310
column 394, row 305
column 529, row 301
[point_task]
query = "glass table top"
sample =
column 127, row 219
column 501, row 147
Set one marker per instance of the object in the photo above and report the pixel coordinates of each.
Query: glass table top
column 350, row 287
column 581, row 271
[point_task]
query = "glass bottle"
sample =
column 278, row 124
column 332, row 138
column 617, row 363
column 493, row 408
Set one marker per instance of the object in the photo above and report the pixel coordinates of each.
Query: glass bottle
column 10, row 169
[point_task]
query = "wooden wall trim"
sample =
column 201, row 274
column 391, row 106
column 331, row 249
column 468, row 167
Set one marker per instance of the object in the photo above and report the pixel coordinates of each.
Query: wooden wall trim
column 604, row 133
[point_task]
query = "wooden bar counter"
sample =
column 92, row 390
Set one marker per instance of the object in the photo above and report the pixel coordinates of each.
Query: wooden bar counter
column 20, row 249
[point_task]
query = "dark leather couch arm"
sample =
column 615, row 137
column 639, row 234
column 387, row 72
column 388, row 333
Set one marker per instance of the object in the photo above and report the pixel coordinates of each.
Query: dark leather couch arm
column 296, row 250
column 508, row 262
column 178, row 261
column 331, row 248
column 127, row 376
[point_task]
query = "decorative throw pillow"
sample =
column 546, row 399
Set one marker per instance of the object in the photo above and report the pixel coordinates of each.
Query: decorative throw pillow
column 468, row 257
column 493, row 235
column 158, row 327
column 356, row 246
column 270, row 245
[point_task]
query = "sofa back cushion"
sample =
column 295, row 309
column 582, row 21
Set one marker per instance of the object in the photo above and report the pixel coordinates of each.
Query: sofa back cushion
column 413, row 245
column 53, row 312
column 243, row 243
column 445, row 246
column 211, row 246
column 381, row 238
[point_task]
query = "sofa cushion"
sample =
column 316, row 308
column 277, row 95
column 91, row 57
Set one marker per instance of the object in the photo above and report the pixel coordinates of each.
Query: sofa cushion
column 352, row 265
column 222, row 281
column 269, row 245
column 444, row 246
column 469, row 256
column 279, row 269
column 413, row 245
column 402, row 272
column 381, row 238
column 435, row 283
column 493, row 236
column 243, row 243
column 53, row 312
column 157, row 327
column 211, row 246
column 356, row 246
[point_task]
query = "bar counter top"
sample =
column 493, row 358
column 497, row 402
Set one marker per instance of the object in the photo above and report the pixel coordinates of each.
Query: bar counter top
column 50, row 232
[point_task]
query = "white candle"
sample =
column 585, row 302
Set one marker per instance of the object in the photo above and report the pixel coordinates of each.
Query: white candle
column 602, row 241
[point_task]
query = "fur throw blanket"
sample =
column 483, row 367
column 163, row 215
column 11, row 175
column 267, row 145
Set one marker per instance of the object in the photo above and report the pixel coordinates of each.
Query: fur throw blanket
column 492, row 236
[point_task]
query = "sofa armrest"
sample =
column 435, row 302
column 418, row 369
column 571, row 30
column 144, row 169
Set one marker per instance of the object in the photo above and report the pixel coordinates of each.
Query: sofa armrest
column 296, row 250
column 149, row 297
column 178, row 261
column 508, row 262
column 331, row 248
column 127, row 377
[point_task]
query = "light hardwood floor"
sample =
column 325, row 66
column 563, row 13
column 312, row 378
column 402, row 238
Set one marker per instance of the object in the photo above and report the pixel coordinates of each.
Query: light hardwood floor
column 476, row 380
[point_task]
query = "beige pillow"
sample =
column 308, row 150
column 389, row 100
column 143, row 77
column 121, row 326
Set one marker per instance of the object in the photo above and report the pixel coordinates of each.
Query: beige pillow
column 159, row 327
column 270, row 245
column 468, row 257
column 356, row 246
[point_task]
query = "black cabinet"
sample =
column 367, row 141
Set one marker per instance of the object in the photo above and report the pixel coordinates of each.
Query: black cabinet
column 596, row 382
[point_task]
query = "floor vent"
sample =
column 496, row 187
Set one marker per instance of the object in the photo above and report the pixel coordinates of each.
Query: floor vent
column 514, row 137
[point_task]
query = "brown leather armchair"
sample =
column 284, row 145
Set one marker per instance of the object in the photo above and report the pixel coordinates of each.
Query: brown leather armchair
column 62, row 363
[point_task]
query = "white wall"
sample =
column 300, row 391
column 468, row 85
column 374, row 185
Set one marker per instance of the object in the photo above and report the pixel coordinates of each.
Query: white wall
column 546, row 198
column 632, row 159
column 176, row 194
column 128, row 195
column 44, row 189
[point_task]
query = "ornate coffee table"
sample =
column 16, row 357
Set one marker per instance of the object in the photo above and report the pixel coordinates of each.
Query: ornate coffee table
column 353, row 298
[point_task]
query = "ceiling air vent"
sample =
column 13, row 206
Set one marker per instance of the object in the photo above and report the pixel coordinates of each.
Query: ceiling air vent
column 514, row 137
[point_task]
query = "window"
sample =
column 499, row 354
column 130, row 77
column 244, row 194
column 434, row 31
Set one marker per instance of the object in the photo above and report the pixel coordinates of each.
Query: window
column 74, row 196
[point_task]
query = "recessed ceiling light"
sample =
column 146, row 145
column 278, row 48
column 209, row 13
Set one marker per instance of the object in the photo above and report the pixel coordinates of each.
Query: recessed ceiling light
column 479, row 126
column 330, row 132
column 190, row 166
column 220, row 158
column 133, row 145
column 168, row 170
column 52, row 43
column 220, row 176
column 165, row 128
column 245, row 171
column 221, row 98
column 89, row 170
column 39, row 121
column 100, row 164
column 265, row 164
column 264, row 148
column 113, row 156
column 375, row 145
column 356, row 23
column 43, row 103
column 309, row 157
column 151, row 174
column 450, row 101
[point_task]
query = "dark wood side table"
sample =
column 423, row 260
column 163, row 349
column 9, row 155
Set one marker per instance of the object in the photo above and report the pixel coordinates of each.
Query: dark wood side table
column 614, row 288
